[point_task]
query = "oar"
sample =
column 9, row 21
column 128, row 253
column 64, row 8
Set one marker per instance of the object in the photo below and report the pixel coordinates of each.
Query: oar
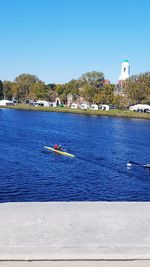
column 130, row 163
column 134, row 163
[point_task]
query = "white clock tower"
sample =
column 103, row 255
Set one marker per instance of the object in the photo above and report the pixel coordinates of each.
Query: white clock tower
column 125, row 70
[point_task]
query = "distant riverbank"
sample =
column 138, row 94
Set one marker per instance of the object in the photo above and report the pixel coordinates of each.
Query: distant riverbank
column 113, row 113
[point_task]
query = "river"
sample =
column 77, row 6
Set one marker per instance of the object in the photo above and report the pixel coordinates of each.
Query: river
column 102, row 145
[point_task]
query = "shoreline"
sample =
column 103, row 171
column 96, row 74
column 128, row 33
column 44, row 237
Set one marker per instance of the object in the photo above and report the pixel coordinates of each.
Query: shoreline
column 110, row 113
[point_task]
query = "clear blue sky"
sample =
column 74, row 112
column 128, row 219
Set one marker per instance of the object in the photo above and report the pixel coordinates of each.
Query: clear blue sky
column 59, row 40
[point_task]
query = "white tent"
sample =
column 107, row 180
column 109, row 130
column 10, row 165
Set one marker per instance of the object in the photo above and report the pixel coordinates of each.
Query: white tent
column 84, row 106
column 94, row 107
column 140, row 107
column 42, row 103
column 104, row 107
column 5, row 102
column 74, row 105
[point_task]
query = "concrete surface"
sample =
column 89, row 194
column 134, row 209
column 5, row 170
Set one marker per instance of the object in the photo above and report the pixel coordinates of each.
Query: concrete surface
column 76, row 264
column 75, row 231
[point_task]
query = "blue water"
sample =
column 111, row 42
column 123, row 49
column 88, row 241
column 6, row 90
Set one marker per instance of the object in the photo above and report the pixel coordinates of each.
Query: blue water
column 102, row 145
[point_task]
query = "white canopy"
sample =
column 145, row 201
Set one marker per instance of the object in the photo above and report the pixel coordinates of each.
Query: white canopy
column 5, row 102
column 140, row 106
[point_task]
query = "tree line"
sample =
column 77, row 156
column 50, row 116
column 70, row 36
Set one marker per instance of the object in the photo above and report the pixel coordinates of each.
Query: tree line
column 137, row 89
column 91, row 86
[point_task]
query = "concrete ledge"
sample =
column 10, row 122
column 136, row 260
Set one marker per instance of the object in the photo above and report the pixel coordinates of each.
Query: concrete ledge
column 75, row 264
column 75, row 231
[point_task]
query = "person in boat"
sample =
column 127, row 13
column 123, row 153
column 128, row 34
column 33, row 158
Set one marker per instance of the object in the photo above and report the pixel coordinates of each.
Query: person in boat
column 58, row 147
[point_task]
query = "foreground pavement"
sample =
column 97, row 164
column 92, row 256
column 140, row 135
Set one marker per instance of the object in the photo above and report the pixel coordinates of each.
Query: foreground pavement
column 75, row 234
column 75, row 264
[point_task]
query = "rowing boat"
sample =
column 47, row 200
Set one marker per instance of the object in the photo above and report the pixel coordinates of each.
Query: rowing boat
column 60, row 152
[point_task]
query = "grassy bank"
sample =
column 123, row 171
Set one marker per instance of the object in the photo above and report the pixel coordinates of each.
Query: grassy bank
column 113, row 113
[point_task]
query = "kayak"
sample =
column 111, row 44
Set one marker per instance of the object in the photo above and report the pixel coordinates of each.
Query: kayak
column 60, row 152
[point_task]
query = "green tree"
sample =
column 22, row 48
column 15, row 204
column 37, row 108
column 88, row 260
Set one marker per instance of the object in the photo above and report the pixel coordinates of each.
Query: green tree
column 105, row 95
column 98, row 95
column 137, row 88
column 51, row 95
column 120, row 101
column 37, row 91
column 108, row 91
column 71, row 87
column 89, row 92
column 1, row 90
column 93, row 78
column 60, row 89
column 25, row 81
column 51, row 86
column 7, row 90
